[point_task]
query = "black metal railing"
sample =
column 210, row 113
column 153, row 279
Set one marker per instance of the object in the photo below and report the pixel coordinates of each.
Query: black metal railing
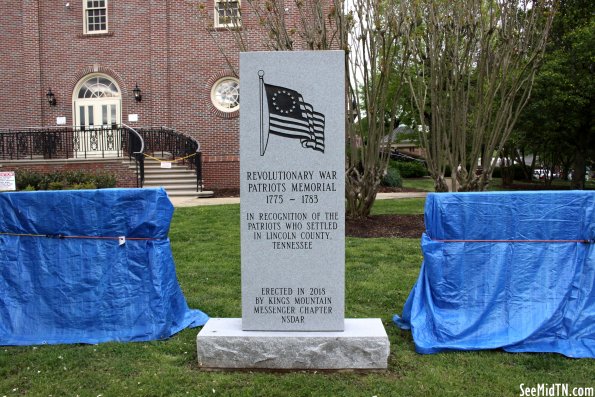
column 103, row 142
column 169, row 144
column 134, row 145
column 61, row 142
column 34, row 143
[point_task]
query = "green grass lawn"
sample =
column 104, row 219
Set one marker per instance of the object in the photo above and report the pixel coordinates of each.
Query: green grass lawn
column 379, row 276
column 424, row 184
column 399, row 207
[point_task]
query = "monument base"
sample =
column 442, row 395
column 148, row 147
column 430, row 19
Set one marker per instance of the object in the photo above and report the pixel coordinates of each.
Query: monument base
column 222, row 344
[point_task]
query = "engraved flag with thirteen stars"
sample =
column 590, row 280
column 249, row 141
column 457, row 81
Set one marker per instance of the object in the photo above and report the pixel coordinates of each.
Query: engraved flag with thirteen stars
column 291, row 117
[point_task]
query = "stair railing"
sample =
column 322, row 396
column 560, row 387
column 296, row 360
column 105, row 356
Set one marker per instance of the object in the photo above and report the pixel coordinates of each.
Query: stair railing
column 84, row 142
column 134, row 145
column 169, row 143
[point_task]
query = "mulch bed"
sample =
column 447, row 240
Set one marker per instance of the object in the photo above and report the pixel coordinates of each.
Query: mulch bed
column 386, row 189
column 226, row 192
column 403, row 226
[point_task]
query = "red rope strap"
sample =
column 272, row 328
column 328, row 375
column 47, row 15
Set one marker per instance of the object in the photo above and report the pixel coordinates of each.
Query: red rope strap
column 517, row 241
column 62, row 236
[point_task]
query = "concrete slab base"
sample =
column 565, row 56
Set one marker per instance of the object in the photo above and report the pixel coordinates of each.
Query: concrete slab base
column 222, row 344
column 205, row 194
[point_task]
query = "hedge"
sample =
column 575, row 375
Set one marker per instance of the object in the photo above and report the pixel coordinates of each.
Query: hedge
column 63, row 180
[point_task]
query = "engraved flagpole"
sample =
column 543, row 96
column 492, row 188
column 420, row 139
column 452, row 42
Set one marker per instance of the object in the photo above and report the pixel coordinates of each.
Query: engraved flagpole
column 263, row 143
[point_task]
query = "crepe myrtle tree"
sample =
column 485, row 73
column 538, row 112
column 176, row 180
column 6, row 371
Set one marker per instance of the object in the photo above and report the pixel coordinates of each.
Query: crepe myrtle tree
column 320, row 26
column 473, row 65
column 372, row 33
column 377, row 53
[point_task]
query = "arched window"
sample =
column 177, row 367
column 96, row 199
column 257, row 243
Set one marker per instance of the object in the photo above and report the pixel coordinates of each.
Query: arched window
column 98, row 87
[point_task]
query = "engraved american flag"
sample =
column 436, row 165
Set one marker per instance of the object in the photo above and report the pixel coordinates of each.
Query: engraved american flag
column 291, row 117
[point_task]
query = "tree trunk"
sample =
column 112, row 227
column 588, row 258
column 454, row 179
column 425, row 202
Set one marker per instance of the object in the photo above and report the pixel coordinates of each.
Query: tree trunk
column 360, row 192
column 507, row 172
column 578, row 175
column 440, row 185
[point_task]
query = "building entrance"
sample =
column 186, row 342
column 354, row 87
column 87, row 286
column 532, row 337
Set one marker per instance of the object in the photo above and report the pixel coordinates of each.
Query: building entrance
column 97, row 117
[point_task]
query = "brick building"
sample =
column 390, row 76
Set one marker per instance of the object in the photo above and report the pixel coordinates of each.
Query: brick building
column 92, row 54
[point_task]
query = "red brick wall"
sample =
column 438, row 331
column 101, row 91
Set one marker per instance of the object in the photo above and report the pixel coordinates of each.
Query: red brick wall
column 221, row 172
column 125, row 176
column 163, row 45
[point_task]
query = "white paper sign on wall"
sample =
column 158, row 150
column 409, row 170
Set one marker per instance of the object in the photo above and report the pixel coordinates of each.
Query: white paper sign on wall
column 7, row 181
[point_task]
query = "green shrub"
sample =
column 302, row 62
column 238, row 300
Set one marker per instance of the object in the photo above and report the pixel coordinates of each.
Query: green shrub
column 48, row 179
column 56, row 185
column 75, row 177
column 25, row 178
column 29, row 188
column 392, row 178
column 104, row 180
column 411, row 169
column 85, row 185
column 60, row 180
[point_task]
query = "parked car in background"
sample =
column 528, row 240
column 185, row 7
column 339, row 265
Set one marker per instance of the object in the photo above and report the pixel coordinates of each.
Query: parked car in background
column 540, row 173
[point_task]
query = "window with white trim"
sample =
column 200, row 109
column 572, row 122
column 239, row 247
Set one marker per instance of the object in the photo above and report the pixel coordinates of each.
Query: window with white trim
column 95, row 13
column 227, row 14
column 225, row 94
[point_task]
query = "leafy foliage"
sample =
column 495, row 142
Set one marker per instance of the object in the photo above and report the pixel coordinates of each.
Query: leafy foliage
column 557, row 124
column 411, row 169
column 63, row 180
column 392, row 178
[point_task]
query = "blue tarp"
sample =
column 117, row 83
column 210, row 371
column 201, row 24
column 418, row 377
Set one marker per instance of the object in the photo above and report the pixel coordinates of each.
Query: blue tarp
column 87, row 287
column 531, row 290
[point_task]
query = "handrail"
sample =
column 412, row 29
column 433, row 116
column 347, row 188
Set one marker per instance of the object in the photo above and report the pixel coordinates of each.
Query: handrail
column 139, row 156
column 142, row 148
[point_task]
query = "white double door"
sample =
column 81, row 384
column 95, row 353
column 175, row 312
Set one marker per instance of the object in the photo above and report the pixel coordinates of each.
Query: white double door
column 97, row 121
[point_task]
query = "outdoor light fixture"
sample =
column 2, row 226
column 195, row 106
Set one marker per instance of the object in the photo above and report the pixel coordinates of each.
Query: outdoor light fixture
column 137, row 93
column 51, row 97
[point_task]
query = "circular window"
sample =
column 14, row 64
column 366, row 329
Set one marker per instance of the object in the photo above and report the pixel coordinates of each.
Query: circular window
column 225, row 94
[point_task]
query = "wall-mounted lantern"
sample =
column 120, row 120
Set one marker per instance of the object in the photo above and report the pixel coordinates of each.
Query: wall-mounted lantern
column 137, row 93
column 51, row 97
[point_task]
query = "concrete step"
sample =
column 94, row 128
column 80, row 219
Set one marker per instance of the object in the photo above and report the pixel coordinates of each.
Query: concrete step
column 187, row 193
column 167, row 179
column 178, row 181
column 158, row 166
column 169, row 187
column 165, row 171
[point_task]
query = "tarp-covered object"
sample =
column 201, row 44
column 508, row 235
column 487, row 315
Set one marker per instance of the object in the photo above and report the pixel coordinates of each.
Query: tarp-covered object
column 506, row 270
column 67, row 277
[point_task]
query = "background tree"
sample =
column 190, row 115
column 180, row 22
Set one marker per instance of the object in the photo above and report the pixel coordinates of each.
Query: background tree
column 377, row 54
column 557, row 124
column 472, row 70
column 373, row 35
